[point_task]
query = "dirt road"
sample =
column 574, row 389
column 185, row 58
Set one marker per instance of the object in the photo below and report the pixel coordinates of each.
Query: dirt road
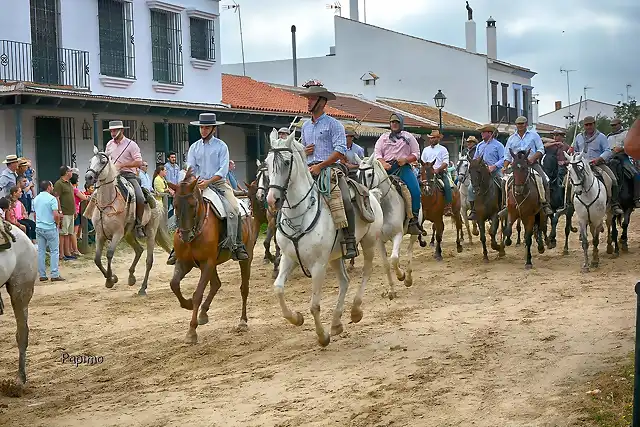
column 469, row 344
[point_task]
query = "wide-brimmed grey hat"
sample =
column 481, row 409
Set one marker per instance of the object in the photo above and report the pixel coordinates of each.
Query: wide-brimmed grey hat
column 319, row 91
column 284, row 130
column 116, row 124
column 207, row 119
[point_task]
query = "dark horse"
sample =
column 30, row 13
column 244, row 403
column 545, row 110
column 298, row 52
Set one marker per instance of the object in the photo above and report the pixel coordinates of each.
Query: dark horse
column 523, row 202
column 557, row 192
column 196, row 244
column 488, row 203
column 263, row 215
column 625, row 182
column 433, row 204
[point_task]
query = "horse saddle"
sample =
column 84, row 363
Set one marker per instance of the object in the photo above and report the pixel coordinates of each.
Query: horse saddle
column 403, row 190
column 360, row 195
column 629, row 170
column 6, row 235
column 127, row 192
column 218, row 205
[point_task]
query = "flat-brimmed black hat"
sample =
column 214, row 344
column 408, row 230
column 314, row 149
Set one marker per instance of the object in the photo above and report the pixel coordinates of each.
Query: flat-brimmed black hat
column 207, row 119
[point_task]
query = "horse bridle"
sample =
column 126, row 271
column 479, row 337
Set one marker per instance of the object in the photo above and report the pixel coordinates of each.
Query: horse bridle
column 362, row 178
column 262, row 176
column 581, row 174
column 97, row 174
column 518, row 190
column 187, row 235
column 462, row 177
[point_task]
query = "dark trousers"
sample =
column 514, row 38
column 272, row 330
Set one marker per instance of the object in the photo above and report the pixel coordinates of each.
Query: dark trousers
column 30, row 226
column 135, row 182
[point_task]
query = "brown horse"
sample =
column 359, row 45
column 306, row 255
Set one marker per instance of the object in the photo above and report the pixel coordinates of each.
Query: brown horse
column 487, row 204
column 196, row 243
column 433, row 204
column 263, row 215
column 523, row 203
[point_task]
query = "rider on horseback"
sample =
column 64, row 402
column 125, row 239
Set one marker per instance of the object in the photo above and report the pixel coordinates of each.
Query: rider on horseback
column 492, row 153
column 438, row 155
column 524, row 140
column 125, row 155
column 558, row 147
column 209, row 159
column 616, row 143
column 596, row 149
column 472, row 144
column 396, row 150
column 283, row 133
column 325, row 144
column 353, row 150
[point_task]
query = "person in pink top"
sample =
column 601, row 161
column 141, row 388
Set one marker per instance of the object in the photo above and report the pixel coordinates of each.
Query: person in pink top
column 396, row 150
column 126, row 156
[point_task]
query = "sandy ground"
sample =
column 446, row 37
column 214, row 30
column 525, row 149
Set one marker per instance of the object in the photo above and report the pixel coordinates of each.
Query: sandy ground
column 469, row 344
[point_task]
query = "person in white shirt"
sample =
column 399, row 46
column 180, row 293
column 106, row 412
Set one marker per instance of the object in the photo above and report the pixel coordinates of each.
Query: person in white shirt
column 439, row 156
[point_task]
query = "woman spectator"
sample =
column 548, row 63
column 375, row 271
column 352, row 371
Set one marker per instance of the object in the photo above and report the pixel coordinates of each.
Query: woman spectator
column 78, row 197
column 160, row 186
column 17, row 214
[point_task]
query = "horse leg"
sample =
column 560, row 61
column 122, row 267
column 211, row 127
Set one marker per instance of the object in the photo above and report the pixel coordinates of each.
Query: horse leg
column 408, row 280
column 395, row 257
column 459, row 232
column 625, row 225
column 343, row 282
column 608, row 221
column 595, row 259
column 540, row 229
column 318, row 277
column 552, row 242
column 391, row 293
column 567, row 230
column 20, row 294
column 433, row 234
column 137, row 248
column 112, row 279
column 613, row 238
column 518, row 229
column 528, row 239
column 465, row 219
column 151, row 242
column 368, row 244
column 276, row 261
column 584, row 239
column 267, row 244
column 493, row 231
column 483, row 239
column 439, row 226
column 100, row 241
column 206, row 273
column 180, row 270
column 286, row 267
column 214, row 286
column 245, row 273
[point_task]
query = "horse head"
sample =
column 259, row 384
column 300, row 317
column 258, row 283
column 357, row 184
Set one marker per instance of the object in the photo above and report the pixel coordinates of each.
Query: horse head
column 462, row 170
column 370, row 172
column 479, row 174
column 189, row 206
column 287, row 170
column 101, row 169
column 521, row 170
column 262, row 182
column 428, row 177
column 579, row 171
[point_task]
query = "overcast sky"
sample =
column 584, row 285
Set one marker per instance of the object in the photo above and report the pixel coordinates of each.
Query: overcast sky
column 598, row 39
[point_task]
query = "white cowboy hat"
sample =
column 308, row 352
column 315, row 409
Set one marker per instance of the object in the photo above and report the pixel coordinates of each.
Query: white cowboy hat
column 11, row 158
column 115, row 124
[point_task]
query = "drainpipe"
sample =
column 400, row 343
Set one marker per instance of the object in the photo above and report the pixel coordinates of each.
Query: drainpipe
column 295, row 59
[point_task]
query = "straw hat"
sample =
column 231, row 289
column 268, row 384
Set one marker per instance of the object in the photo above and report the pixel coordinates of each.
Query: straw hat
column 11, row 158
column 115, row 124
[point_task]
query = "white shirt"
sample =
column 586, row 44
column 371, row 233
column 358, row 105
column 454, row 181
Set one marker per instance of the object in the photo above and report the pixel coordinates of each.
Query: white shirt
column 437, row 155
column 617, row 141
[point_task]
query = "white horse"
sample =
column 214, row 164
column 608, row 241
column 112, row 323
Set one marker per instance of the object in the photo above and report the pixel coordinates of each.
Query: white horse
column 590, row 204
column 307, row 236
column 19, row 271
column 462, row 171
column 372, row 175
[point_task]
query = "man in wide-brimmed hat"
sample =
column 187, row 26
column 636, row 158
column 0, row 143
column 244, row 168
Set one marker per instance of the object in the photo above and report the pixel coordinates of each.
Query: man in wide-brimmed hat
column 595, row 146
column 616, row 143
column 325, row 144
column 397, row 150
column 127, row 158
column 491, row 151
column 353, row 150
column 522, row 140
column 471, row 143
column 209, row 159
column 283, row 133
column 438, row 155
column 9, row 176
column 557, row 148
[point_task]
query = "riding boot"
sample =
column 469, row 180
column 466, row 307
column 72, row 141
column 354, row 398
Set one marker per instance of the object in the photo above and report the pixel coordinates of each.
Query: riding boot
column 413, row 227
column 138, row 224
column 545, row 205
column 240, row 252
column 349, row 234
column 615, row 203
column 172, row 258
column 472, row 214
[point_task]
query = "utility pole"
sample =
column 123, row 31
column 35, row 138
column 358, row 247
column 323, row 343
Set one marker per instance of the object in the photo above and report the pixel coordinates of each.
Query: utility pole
column 562, row 70
column 236, row 8
column 586, row 88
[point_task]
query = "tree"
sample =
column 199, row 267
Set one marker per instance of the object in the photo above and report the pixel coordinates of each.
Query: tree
column 603, row 124
column 627, row 112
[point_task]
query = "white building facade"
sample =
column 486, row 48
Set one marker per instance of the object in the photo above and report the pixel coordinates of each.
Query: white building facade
column 563, row 116
column 478, row 87
column 67, row 67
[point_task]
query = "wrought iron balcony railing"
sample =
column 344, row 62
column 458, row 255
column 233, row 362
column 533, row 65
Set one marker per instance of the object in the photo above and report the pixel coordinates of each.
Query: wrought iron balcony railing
column 26, row 62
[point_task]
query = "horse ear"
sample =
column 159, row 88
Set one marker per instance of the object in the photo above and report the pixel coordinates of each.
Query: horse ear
column 258, row 163
column 528, row 152
column 358, row 159
column 513, row 155
column 95, row 150
column 273, row 136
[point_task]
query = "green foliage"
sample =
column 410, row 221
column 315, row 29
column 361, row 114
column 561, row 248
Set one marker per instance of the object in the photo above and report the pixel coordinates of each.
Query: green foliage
column 603, row 124
column 627, row 112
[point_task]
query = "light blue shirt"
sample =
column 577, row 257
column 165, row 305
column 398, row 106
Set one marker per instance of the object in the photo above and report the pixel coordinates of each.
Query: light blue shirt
column 233, row 182
column 8, row 179
column 492, row 153
column 173, row 172
column 351, row 152
column 530, row 140
column 145, row 180
column 209, row 159
column 327, row 134
column 599, row 147
column 44, row 205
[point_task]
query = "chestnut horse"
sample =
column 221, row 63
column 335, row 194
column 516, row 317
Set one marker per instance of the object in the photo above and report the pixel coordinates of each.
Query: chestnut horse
column 433, row 204
column 488, row 203
column 523, row 202
column 196, row 243
column 263, row 215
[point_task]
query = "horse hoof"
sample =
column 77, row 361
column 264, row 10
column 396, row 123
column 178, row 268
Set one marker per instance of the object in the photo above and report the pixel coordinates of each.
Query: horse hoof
column 402, row 277
column 423, row 243
column 266, row 261
column 12, row 388
column 594, row 264
column 528, row 266
column 574, row 229
column 142, row 293
column 337, row 329
column 584, row 269
column 438, row 257
column 540, row 250
column 188, row 304
column 408, row 282
column 609, row 249
column 459, row 249
column 502, row 254
column 392, row 295
column 486, row 260
column 324, row 340
column 131, row 281
column 242, row 326
column 114, row 279
column 356, row 314
column 508, row 241
column 299, row 320
column 518, row 243
column 615, row 255
column 203, row 319
column 475, row 232
column 431, row 244
column 565, row 252
column 192, row 336
column 624, row 247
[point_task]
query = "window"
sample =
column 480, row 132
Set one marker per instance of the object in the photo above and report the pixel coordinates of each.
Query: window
column 203, row 45
column 505, row 94
column 166, row 47
column 494, row 93
column 47, row 67
column 115, row 27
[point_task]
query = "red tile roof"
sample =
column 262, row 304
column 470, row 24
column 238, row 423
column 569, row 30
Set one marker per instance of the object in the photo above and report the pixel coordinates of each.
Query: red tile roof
column 245, row 93
column 449, row 120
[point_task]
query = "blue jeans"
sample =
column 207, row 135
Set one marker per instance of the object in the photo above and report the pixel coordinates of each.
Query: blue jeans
column 408, row 177
column 471, row 195
column 50, row 239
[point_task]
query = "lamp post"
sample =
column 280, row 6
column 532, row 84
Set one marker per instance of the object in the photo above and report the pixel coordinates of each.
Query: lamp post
column 440, row 99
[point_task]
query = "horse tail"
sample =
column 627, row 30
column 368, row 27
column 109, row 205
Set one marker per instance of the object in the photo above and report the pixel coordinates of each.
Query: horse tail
column 163, row 238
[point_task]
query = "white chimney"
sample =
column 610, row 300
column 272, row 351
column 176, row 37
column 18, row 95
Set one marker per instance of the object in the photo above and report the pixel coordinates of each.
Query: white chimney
column 470, row 34
column 353, row 10
column 534, row 111
column 492, row 39
column 369, row 80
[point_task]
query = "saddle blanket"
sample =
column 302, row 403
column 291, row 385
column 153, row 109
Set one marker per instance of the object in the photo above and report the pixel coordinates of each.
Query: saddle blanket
column 6, row 235
column 218, row 204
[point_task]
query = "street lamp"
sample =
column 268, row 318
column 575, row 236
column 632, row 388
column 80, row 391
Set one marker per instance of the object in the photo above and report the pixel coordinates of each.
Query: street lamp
column 440, row 99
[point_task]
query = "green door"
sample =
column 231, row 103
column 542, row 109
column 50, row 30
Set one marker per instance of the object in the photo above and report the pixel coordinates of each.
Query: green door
column 48, row 135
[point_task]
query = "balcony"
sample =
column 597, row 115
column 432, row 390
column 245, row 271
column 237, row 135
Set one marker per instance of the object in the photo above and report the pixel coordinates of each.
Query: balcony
column 507, row 114
column 24, row 62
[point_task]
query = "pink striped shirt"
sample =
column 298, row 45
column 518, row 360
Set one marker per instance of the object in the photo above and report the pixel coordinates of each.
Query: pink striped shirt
column 392, row 150
column 123, row 152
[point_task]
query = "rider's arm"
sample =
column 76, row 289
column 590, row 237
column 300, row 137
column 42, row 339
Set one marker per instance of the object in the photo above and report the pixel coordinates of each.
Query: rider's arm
column 444, row 157
column 339, row 143
column 415, row 149
column 137, row 157
column 223, row 170
column 604, row 147
column 539, row 147
column 500, row 151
